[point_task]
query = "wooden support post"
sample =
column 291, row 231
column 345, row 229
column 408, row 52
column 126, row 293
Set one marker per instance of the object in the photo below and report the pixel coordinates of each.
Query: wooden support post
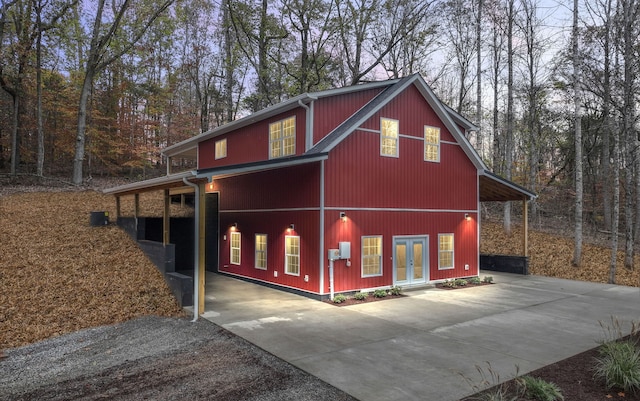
column 166, row 218
column 201, row 247
column 117, row 208
column 136, row 209
column 525, row 227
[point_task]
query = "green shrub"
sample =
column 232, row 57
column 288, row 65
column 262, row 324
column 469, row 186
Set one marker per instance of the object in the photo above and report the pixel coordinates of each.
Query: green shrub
column 449, row 283
column 487, row 279
column 539, row 389
column 361, row 296
column 338, row 299
column 475, row 280
column 395, row 290
column 380, row 293
column 619, row 365
column 460, row 282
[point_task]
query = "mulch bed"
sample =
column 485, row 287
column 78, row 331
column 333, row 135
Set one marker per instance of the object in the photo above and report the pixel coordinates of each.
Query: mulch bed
column 352, row 301
column 459, row 287
column 574, row 377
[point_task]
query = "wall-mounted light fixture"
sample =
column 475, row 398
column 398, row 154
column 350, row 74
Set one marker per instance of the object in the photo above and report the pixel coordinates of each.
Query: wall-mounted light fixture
column 467, row 217
column 209, row 187
column 234, row 226
column 291, row 227
column 343, row 216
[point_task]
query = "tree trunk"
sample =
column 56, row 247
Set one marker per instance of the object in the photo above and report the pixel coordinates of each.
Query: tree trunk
column 577, row 250
column 15, row 154
column 628, row 122
column 509, row 131
column 40, row 160
column 82, row 127
column 479, row 136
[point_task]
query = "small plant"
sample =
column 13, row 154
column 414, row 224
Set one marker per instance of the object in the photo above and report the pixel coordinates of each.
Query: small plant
column 395, row 290
column 487, row 279
column 338, row 299
column 360, row 296
column 539, row 389
column 619, row 365
column 475, row 280
column 449, row 283
column 380, row 293
column 491, row 387
column 460, row 282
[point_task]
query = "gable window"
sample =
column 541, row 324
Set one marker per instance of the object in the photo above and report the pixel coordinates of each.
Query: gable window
column 431, row 144
column 445, row 251
column 282, row 138
column 235, row 248
column 221, row 149
column 292, row 255
column 371, row 256
column 388, row 137
column 261, row 251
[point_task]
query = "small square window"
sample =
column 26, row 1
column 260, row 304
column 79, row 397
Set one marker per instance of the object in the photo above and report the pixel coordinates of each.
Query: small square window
column 221, row 149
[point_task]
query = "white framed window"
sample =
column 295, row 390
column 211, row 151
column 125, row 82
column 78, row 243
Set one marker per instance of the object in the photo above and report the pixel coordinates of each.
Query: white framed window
column 282, row 138
column 261, row 251
column 431, row 144
column 372, row 256
column 221, row 149
column 292, row 255
column 234, row 257
column 445, row 251
column 389, row 137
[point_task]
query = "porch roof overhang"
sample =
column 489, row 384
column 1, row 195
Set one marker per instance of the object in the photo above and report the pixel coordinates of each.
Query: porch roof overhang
column 494, row 188
column 154, row 184
column 254, row 167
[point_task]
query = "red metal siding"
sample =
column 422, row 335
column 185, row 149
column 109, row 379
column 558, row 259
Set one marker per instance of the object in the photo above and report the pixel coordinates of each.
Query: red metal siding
column 275, row 225
column 357, row 176
column 389, row 224
column 293, row 187
column 332, row 111
column 251, row 143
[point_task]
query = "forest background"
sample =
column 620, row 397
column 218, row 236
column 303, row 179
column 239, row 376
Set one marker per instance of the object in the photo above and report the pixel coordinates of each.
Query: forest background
column 100, row 87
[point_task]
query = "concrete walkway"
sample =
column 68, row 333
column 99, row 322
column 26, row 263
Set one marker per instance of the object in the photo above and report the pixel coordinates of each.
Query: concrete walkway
column 423, row 346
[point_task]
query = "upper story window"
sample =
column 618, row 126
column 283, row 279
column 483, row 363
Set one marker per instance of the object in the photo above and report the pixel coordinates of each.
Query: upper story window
column 282, row 138
column 221, row 149
column 388, row 137
column 431, row 144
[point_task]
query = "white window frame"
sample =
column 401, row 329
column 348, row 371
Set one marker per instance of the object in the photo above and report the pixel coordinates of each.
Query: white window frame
column 288, row 255
column 436, row 144
column 364, row 256
column 384, row 122
column 259, row 252
column 452, row 251
column 221, row 149
column 280, row 128
column 232, row 248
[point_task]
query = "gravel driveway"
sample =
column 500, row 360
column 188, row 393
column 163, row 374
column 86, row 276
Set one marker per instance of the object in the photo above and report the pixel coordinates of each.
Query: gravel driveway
column 154, row 358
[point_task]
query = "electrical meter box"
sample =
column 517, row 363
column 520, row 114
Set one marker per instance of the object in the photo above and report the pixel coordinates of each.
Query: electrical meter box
column 345, row 250
column 333, row 254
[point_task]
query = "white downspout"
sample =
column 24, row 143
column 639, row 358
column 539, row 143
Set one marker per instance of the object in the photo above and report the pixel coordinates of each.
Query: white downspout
column 196, row 250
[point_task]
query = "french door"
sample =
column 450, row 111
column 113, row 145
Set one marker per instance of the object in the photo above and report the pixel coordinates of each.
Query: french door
column 410, row 260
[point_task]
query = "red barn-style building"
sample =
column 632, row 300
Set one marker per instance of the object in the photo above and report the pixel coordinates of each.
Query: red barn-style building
column 350, row 189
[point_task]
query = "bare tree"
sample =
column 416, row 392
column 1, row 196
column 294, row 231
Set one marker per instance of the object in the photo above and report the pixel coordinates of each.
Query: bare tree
column 510, row 116
column 577, row 250
column 102, row 53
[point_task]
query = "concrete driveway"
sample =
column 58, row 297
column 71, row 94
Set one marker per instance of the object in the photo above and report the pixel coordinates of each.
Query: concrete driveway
column 421, row 347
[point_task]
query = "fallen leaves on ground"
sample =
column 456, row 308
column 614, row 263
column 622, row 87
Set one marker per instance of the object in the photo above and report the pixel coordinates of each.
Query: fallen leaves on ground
column 58, row 274
column 550, row 255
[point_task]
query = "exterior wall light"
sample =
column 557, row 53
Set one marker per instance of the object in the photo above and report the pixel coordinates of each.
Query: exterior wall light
column 234, row 227
column 292, row 227
column 467, row 217
column 343, row 216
